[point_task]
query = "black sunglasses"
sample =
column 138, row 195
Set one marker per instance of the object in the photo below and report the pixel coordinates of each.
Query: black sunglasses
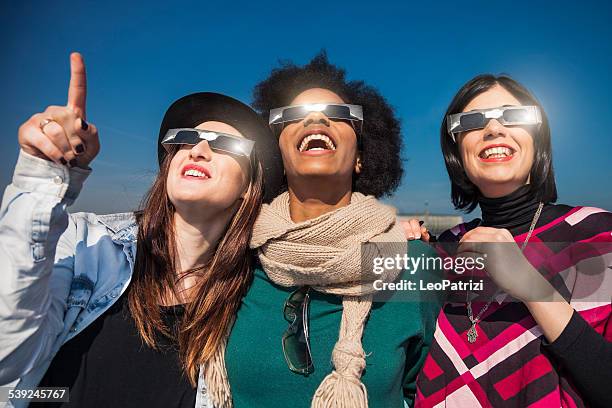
column 296, row 343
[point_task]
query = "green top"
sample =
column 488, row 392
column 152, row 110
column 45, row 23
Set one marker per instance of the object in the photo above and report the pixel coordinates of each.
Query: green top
column 396, row 340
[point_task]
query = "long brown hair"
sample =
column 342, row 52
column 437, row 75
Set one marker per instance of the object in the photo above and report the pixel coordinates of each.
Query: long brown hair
column 222, row 282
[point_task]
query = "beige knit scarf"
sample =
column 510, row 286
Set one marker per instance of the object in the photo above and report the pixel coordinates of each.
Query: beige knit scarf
column 326, row 254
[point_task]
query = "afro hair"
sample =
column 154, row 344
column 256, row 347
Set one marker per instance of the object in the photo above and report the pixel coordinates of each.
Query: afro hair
column 381, row 170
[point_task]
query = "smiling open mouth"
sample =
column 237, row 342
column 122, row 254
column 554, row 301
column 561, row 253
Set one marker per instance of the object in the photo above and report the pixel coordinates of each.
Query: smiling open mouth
column 497, row 153
column 193, row 171
column 316, row 142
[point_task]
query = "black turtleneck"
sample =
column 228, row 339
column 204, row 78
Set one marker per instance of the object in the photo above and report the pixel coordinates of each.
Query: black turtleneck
column 516, row 210
column 511, row 211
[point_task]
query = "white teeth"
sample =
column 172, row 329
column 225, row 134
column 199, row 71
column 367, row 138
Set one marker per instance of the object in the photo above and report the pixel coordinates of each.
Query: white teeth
column 195, row 173
column 328, row 142
column 496, row 152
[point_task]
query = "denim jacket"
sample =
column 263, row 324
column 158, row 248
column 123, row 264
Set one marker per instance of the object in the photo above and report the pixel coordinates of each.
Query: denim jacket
column 58, row 271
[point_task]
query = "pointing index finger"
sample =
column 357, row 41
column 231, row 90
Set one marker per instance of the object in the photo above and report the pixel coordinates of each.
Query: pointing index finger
column 77, row 90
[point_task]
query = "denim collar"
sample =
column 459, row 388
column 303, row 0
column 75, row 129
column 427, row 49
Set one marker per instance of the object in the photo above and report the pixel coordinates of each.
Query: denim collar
column 122, row 226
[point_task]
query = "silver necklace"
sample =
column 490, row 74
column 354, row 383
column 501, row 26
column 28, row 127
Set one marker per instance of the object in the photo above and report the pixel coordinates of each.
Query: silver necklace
column 472, row 334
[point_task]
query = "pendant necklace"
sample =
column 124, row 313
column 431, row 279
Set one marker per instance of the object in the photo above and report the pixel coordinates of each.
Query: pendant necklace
column 472, row 334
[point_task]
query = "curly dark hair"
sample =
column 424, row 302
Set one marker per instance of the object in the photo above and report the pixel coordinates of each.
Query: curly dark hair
column 381, row 144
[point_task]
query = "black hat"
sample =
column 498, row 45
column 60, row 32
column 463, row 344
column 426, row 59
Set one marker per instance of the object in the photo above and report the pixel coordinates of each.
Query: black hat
column 194, row 109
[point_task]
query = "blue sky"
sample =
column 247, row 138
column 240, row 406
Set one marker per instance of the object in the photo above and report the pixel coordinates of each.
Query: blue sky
column 141, row 56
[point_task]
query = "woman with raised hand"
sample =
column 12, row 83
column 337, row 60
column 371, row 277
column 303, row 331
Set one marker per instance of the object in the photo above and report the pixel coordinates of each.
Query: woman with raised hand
column 130, row 309
column 551, row 345
column 310, row 331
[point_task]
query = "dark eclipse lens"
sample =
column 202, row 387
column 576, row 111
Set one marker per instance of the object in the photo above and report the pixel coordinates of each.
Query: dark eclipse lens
column 515, row 115
column 187, row 137
column 472, row 121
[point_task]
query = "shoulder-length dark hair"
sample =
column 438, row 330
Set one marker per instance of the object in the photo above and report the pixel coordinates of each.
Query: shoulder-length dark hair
column 381, row 169
column 464, row 193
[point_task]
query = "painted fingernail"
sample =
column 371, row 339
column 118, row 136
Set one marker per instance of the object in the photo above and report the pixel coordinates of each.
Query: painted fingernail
column 63, row 161
column 84, row 125
column 72, row 163
column 80, row 148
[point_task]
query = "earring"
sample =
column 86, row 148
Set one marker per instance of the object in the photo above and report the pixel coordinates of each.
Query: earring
column 358, row 165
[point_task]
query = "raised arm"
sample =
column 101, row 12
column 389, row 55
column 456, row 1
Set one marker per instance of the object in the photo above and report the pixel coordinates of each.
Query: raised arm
column 37, row 238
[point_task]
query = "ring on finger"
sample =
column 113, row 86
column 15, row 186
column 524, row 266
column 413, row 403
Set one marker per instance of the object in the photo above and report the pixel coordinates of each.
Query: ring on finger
column 44, row 123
